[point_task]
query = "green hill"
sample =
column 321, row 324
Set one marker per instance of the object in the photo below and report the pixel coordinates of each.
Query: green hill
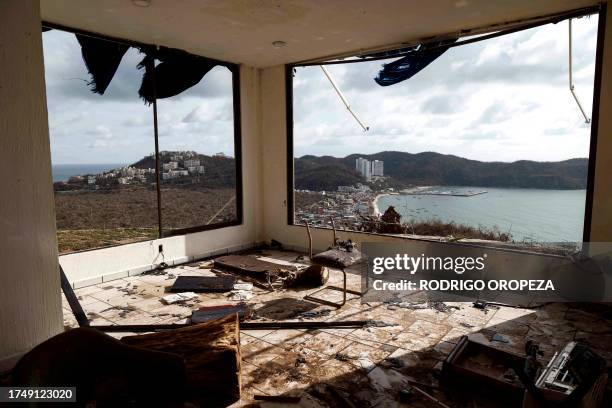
column 430, row 168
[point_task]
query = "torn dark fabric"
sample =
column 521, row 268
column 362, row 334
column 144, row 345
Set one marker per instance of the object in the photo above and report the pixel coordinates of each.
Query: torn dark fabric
column 408, row 66
column 102, row 59
column 177, row 72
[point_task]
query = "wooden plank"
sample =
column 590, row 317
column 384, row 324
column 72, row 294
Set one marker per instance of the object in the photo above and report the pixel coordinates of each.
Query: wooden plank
column 208, row 313
column 201, row 284
column 211, row 352
column 249, row 265
column 252, row 269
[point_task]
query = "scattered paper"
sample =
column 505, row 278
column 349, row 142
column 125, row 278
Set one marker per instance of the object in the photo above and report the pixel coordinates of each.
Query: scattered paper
column 243, row 286
column 178, row 297
column 240, row 295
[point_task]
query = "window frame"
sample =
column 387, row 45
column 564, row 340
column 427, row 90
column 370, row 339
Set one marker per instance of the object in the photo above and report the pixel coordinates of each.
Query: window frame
column 237, row 136
column 600, row 10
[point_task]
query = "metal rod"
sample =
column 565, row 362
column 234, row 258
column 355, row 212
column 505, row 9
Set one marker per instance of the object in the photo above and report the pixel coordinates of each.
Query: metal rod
column 309, row 240
column 151, row 67
column 536, row 22
column 334, row 227
column 73, row 301
column 571, row 77
column 143, row 328
column 348, row 106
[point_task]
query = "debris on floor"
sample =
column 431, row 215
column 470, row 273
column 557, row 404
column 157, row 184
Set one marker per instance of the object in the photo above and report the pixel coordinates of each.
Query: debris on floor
column 240, row 295
column 178, row 297
column 248, row 266
column 208, row 313
column 314, row 314
column 243, row 286
column 203, row 284
column 363, row 354
column 211, row 352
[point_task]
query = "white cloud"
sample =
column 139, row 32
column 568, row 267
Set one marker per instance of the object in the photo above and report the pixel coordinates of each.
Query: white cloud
column 504, row 99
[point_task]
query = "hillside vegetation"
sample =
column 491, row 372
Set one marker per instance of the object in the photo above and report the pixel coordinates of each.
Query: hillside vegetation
column 435, row 169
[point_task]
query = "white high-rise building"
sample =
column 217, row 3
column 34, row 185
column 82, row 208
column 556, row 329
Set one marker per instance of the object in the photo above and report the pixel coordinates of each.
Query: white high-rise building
column 363, row 167
column 378, row 168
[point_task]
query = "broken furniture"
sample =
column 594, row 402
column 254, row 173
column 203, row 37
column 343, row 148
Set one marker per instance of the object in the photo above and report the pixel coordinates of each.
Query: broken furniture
column 477, row 363
column 203, row 284
column 575, row 376
column 260, row 272
column 105, row 372
column 208, row 313
column 211, row 352
column 269, row 274
column 340, row 255
column 569, row 380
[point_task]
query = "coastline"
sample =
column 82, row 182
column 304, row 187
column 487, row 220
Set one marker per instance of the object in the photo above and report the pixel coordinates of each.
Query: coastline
column 374, row 204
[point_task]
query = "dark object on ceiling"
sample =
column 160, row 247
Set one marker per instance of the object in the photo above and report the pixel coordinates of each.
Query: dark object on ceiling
column 410, row 65
column 105, row 372
column 177, row 72
column 203, row 284
column 102, row 59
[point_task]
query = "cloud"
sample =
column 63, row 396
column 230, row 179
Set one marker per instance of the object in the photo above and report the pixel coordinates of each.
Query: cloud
column 491, row 100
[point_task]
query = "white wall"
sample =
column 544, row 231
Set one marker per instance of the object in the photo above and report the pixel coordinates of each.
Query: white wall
column 91, row 267
column 29, row 277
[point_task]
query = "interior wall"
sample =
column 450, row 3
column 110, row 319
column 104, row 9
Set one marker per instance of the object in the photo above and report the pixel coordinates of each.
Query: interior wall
column 601, row 224
column 29, row 278
column 96, row 266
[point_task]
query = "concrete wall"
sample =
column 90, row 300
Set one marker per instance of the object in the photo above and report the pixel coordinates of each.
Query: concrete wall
column 29, row 277
column 91, row 267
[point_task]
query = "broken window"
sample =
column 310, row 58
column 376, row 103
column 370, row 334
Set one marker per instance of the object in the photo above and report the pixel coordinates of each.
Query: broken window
column 103, row 141
column 482, row 141
column 197, row 154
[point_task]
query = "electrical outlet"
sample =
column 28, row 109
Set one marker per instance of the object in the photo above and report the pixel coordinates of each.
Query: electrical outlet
column 161, row 248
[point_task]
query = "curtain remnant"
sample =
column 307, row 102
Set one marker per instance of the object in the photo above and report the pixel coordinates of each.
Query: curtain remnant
column 102, row 58
column 177, row 72
column 408, row 66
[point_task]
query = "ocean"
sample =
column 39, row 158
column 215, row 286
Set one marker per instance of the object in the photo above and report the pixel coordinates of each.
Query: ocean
column 62, row 172
column 527, row 214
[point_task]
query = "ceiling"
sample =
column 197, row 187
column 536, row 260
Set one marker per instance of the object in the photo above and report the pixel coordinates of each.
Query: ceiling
column 242, row 31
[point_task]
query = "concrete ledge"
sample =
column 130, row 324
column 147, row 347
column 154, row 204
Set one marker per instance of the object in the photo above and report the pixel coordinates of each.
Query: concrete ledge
column 149, row 267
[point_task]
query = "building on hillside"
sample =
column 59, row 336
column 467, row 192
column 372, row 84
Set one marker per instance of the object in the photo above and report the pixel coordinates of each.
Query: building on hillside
column 170, row 166
column 196, row 169
column 377, row 168
column 364, row 167
column 191, row 163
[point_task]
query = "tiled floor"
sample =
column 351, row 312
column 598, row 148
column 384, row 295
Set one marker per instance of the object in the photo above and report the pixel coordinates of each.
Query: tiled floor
column 367, row 366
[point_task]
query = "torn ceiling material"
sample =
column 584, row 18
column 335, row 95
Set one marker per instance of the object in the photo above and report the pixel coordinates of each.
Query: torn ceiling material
column 176, row 72
column 410, row 65
column 102, row 59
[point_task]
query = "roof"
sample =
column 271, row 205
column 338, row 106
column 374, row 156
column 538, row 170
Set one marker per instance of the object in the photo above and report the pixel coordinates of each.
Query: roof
column 242, row 31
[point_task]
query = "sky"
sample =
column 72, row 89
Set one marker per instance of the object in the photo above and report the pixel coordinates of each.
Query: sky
column 117, row 127
column 504, row 99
